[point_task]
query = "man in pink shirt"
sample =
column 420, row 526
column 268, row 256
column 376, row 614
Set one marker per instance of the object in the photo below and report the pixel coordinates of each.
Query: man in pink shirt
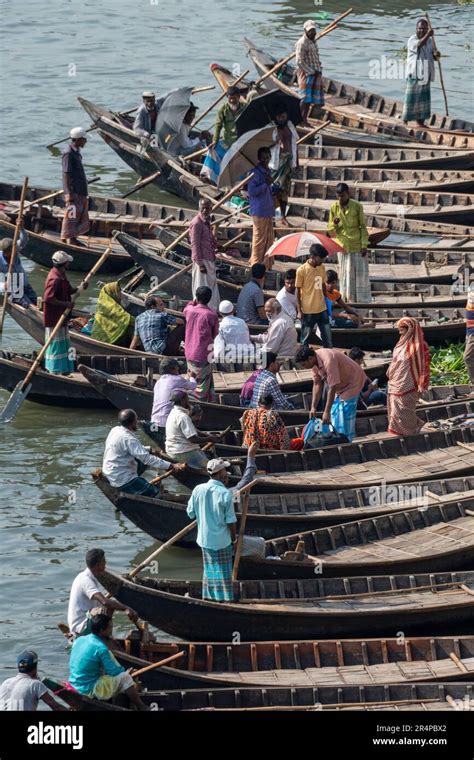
column 202, row 326
column 344, row 379
column 203, row 252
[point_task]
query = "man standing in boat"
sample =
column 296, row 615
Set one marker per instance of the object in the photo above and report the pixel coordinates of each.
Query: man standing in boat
column 76, row 216
column 309, row 72
column 203, row 253
column 262, row 208
column 56, row 299
column 420, row 72
column 212, row 506
column 284, row 160
column 347, row 226
column 225, row 134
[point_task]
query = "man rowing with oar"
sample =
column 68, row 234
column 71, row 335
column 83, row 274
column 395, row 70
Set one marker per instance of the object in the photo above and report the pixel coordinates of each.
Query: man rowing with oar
column 309, row 72
column 420, row 73
column 212, row 505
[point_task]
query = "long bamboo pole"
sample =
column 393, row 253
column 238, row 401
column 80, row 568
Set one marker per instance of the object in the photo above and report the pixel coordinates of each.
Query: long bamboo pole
column 218, row 100
column 16, row 235
column 435, row 50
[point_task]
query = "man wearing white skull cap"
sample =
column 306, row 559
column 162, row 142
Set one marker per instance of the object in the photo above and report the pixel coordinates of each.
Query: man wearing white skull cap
column 76, row 216
column 309, row 71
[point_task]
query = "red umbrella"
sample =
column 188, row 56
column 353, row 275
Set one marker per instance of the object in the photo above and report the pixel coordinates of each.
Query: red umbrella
column 297, row 244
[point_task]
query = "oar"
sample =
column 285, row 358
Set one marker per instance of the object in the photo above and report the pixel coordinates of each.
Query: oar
column 23, row 388
column 313, row 132
column 435, row 50
column 218, row 100
column 142, row 183
column 154, row 665
column 164, row 546
column 91, row 129
column 186, row 232
column 16, row 235
column 198, row 153
column 243, row 520
column 49, row 196
column 329, row 28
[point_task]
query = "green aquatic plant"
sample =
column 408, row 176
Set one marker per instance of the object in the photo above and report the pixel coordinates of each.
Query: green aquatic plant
column 465, row 2
column 402, row 53
column 447, row 365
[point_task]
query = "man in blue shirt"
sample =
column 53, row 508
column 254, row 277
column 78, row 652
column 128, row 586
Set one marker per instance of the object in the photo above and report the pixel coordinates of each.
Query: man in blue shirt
column 212, row 505
column 20, row 288
column 262, row 207
column 94, row 671
column 151, row 327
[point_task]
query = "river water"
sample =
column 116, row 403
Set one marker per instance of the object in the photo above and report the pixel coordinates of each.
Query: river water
column 109, row 51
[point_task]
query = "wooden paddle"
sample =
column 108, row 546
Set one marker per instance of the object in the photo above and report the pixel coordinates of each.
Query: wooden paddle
column 154, row 665
column 164, row 546
column 91, row 129
column 23, row 388
column 326, row 30
column 218, row 100
column 16, row 235
column 142, row 183
column 312, row 132
column 243, row 520
column 435, row 50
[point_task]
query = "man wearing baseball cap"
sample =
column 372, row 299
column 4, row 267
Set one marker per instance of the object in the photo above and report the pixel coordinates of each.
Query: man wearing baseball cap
column 309, row 72
column 23, row 691
column 212, row 506
column 56, row 299
column 76, row 215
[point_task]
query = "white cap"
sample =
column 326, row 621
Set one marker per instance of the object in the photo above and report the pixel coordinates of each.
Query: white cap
column 216, row 465
column 61, row 257
column 309, row 25
column 77, row 132
column 226, row 307
column 148, row 94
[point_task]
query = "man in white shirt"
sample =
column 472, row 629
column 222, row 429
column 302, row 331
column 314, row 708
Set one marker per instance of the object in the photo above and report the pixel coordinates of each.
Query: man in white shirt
column 182, row 438
column 23, row 691
column 125, row 458
column 281, row 337
column 287, row 295
column 87, row 593
column 232, row 343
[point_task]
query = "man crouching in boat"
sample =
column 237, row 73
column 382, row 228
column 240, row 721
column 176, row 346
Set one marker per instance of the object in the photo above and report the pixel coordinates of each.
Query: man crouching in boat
column 420, row 73
column 212, row 505
column 93, row 669
column 125, row 458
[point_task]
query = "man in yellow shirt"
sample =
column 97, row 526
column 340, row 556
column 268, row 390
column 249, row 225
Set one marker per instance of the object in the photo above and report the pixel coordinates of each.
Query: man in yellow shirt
column 347, row 225
column 310, row 292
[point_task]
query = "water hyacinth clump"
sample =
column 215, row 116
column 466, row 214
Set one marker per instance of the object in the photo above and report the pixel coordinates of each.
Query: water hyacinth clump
column 447, row 365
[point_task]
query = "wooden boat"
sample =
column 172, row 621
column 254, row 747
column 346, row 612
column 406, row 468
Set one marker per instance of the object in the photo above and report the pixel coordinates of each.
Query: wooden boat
column 446, row 181
column 43, row 223
column 429, row 538
column 356, row 102
column 227, row 410
column 409, row 696
column 75, row 391
column 316, row 608
column 342, row 662
column 390, row 459
column 431, row 268
column 448, row 208
column 274, row 515
column 390, row 158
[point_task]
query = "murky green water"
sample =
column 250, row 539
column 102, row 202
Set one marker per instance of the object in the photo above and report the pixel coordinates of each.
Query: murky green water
column 109, row 51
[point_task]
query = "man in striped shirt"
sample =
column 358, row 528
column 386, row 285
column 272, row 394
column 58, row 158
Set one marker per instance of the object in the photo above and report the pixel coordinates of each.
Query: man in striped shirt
column 469, row 351
column 309, row 73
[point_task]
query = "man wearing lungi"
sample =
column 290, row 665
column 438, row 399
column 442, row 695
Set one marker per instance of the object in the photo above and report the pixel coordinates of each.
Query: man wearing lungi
column 225, row 134
column 203, row 252
column 420, row 73
column 262, row 208
column 344, row 379
column 76, row 216
column 347, row 225
column 212, row 506
column 309, row 72
column 57, row 294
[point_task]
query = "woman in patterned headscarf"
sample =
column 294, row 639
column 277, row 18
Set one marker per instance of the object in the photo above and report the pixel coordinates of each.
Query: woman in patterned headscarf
column 408, row 376
column 112, row 324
